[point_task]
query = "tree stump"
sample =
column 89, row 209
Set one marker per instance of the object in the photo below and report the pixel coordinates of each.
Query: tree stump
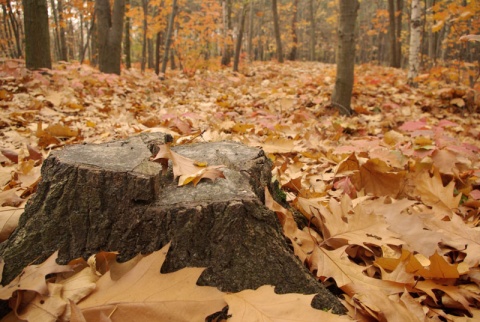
column 111, row 197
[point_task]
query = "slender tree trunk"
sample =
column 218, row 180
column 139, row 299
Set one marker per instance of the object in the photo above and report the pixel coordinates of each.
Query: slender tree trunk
column 250, row 31
column 109, row 32
column 89, row 35
column 144, row 42
column 158, row 42
column 63, row 40
column 15, row 28
column 312, row 30
column 415, row 35
column 150, row 47
column 56, row 31
column 238, row 44
column 398, row 30
column 431, row 35
column 227, row 28
column 276, row 27
column 293, row 51
column 127, row 44
column 393, row 33
column 342, row 93
column 168, row 37
column 37, row 38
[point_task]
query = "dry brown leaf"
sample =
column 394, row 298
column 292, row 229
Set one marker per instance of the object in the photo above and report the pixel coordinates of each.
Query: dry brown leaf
column 143, row 294
column 432, row 192
column 185, row 168
column 264, row 305
column 33, row 277
column 9, row 217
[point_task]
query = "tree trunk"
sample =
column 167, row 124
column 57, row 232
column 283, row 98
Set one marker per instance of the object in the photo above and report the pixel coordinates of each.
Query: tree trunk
column 398, row 30
column 276, row 27
column 345, row 60
column 250, row 31
column 158, row 44
column 431, row 35
column 63, row 40
column 109, row 33
column 395, row 54
column 238, row 43
column 168, row 37
column 16, row 49
column 227, row 29
column 111, row 197
column 150, row 54
column 37, row 38
column 144, row 42
column 415, row 36
column 56, row 31
column 312, row 30
column 127, row 47
column 293, row 51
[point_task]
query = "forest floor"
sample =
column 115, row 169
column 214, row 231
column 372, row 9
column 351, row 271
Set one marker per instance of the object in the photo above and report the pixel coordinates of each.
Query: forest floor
column 392, row 193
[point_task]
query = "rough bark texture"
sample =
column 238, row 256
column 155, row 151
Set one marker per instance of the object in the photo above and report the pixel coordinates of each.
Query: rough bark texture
column 37, row 38
column 345, row 60
column 110, row 29
column 111, row 197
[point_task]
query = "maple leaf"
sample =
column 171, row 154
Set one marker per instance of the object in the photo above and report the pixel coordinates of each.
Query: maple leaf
column 264, row 305
column 185, row 168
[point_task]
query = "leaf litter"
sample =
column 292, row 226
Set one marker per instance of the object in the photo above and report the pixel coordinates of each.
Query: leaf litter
column 391, row 194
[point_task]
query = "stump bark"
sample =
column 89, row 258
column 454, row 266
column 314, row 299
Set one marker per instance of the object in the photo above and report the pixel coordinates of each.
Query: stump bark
column 111, row 197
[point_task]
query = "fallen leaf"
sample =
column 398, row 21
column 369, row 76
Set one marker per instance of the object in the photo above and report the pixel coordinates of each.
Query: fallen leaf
column 263, row 304
column 185, row 168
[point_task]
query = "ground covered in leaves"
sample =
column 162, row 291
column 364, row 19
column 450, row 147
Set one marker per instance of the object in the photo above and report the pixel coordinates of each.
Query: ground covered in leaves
column 390, row 195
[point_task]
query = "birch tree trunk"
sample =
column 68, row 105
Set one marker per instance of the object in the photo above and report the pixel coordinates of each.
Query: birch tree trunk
column 345, row 60
column 415, row 35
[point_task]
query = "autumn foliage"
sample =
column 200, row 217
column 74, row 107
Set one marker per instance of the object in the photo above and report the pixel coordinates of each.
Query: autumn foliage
column 384, row 204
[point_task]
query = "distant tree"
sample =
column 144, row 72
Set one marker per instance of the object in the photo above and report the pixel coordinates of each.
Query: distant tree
column 144, row 41
column 293, row 51
column 109, row 34
column 415, row 36
column 238, row 43
column 127, row 43
column 312, row 31
column 395, row 28
column 345, row 60
column 168, row 37
column 276, row 28
column 227, row 29
column 37, row 37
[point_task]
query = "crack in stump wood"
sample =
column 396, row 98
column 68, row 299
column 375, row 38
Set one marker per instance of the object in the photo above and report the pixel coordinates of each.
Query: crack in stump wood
column 111, row 197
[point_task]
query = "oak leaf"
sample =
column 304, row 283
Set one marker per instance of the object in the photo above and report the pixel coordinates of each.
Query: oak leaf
column 434, row 194
column 264, row 305
column 142, row 293
column 185, row 168
column 33, row 277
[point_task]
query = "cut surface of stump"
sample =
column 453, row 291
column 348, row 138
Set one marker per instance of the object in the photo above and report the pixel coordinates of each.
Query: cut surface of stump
column 111, row 197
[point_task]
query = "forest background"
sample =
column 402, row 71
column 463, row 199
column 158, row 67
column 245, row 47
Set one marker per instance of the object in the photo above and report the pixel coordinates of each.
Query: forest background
column 391, row 192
